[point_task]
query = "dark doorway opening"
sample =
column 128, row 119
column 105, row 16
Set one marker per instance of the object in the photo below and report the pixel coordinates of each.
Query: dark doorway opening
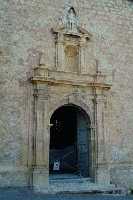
column 69, row 141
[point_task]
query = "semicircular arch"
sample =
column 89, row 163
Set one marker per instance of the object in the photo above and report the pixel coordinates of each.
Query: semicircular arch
column 78, row 103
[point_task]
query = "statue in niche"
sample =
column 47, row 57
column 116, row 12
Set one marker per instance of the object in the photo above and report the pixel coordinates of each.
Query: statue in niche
column 71, row 20
column 71, row 40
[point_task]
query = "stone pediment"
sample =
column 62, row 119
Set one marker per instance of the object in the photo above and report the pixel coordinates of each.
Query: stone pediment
column 81, row 32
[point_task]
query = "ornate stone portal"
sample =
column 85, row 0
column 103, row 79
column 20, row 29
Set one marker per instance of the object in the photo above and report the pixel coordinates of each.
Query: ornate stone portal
column 69, row 83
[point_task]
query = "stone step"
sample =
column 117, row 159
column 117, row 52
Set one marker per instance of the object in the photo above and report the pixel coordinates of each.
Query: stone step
column 64, row 176
column 70, row 180
column 81, row 185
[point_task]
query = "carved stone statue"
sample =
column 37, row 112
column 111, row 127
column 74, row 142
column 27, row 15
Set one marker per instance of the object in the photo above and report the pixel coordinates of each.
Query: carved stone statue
column 71, row 20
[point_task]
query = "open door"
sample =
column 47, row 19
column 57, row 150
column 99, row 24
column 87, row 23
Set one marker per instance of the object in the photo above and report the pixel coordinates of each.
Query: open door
column 69, row 141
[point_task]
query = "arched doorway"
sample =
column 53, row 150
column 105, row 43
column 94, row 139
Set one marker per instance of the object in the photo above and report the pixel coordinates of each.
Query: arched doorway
column 70, row 141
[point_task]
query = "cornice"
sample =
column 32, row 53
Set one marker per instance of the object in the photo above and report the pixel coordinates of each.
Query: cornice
column 50, row 77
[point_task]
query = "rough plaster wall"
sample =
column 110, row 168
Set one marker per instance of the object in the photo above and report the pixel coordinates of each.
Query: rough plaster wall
column 25, row 34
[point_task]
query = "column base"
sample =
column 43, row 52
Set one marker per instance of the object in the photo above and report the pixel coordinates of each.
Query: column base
column 103, row 175
column 40, row 180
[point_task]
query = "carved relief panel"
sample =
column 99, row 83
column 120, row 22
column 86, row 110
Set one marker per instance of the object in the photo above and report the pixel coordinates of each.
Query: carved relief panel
column 71, row 51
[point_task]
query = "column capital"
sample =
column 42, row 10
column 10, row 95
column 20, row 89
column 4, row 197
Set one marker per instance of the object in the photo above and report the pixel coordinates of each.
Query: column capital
column 101, row 99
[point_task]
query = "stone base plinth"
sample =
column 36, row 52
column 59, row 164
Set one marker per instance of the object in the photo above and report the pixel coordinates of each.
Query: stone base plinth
column 103, row 175
column 40, row 180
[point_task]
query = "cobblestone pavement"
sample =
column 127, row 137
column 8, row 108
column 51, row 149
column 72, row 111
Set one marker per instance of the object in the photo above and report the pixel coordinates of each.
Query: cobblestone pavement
column 17, row 194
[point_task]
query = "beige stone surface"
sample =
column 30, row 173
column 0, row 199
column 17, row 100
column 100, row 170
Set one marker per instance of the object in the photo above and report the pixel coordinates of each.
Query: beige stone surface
column 26, row 37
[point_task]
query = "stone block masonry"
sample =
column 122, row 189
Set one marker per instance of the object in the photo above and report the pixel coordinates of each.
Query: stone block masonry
column 27, row 43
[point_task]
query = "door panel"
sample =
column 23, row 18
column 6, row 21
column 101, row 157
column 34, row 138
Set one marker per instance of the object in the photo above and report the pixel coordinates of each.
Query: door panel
column 83, row 145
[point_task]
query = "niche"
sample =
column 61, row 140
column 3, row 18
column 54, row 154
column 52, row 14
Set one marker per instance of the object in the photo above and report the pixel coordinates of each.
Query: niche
column 71, row 58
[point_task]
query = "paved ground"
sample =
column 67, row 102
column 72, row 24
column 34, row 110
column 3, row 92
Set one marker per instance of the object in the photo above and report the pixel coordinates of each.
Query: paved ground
column 15, row 194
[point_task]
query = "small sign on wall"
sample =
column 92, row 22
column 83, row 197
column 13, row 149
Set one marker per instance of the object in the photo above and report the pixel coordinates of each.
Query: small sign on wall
column 56, row 166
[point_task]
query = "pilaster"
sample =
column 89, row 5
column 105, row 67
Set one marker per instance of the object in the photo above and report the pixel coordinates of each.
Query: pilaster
column 102, row 174
column 60, row 57
column 41, row 138
column 82, row 60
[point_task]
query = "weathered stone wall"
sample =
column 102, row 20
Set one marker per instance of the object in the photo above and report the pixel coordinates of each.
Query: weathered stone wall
column 25, row 34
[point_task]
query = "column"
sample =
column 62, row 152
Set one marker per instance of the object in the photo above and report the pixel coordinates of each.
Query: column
column 41, row 139
column 102, row 175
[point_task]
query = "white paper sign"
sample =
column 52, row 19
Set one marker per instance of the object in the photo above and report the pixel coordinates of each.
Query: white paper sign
column 56, row 166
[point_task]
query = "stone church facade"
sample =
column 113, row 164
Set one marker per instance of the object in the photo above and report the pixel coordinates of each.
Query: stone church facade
column 66, row 92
